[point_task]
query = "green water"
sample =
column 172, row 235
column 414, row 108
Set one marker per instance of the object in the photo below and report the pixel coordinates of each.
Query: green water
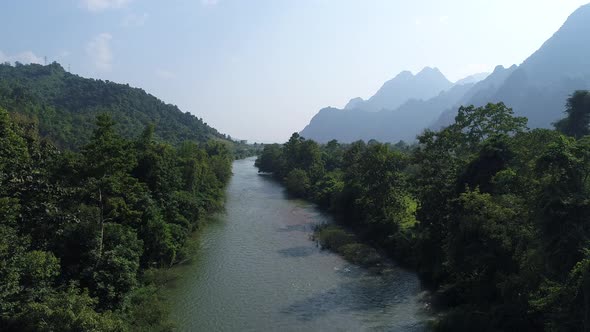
column 256, row 269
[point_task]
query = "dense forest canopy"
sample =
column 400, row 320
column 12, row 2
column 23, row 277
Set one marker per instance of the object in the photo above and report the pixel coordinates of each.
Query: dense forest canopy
column 81, row 231
column 495, row 217
column 100, row 186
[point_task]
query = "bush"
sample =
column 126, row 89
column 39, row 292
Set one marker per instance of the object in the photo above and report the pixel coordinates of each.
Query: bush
column 332, row 237
column 359, row 253
column 297, row 182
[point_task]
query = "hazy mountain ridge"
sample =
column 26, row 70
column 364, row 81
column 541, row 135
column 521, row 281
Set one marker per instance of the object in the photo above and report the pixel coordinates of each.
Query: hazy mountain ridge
column 539, row 87
column 480, row 93
column 536, row 89
column 379, row 125
column 426, row 84
column 473, row 78
column 357, row 122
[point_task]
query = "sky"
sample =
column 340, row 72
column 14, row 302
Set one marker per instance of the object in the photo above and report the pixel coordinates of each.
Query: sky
column 261, row 69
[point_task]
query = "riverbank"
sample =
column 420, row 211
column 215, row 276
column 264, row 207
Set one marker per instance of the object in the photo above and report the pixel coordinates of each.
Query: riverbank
column 348, row 245
column 151, row 305
column 257, row 269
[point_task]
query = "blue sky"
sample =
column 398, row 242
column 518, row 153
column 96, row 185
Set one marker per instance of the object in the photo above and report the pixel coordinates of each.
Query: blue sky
column 260, row 69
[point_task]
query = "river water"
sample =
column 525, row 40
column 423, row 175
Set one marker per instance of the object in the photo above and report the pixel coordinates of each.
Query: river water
column 256, row 269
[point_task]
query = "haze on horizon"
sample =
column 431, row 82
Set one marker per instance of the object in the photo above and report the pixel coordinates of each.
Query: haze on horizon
column 259, row 70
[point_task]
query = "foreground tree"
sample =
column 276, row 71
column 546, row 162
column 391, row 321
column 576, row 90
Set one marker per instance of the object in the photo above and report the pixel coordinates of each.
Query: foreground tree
column 577, row 120
column 78, row 231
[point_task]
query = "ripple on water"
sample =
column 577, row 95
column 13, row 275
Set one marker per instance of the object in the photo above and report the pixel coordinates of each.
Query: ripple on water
column 257, row 270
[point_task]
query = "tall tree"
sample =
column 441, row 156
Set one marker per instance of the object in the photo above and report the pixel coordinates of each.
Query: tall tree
column 577, row 120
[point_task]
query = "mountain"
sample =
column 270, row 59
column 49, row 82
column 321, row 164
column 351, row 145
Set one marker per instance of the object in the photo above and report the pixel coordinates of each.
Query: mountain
column 473, row 78
column 351, row 125
column 426, row 84
column 66, row 105
column 537, row 89
column 360, row 120
column 479, row 94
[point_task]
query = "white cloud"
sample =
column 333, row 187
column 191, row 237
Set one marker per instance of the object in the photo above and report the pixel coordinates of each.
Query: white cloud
column 443, row 19
column 22, row 57
column 99, row 50
column 135, row 20
column 100, row 5
column 164, row 74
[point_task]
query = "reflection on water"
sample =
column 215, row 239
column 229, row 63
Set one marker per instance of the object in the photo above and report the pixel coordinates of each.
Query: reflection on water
column 257, row 270
column 300, row 251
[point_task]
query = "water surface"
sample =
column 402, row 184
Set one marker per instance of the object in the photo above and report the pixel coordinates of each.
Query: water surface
column 256, row 269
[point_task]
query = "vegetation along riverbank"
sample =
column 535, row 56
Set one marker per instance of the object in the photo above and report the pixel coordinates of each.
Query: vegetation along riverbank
column 92, row 215
column 490, row 213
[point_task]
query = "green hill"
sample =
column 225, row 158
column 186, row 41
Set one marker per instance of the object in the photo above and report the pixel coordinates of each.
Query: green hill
column 66, row 105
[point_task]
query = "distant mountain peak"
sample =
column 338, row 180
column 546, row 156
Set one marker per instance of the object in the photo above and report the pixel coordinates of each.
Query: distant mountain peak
column 406, row 74
column 566, row 54
column 473, row 78
column 354, row 103
column 498, row 68
column 428, row 83
column 581, row 14
column 536, row 89
column 429, row 71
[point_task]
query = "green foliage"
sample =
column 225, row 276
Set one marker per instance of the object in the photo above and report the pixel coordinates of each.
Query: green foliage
column 69, row 310
column 474, row 125
column 297, row 182
column 332, row 237
column 326, row 190
column 563, row 301
column 115, row 272
column 495, row 218
column 345, row 243
column 145, row 310
column 65, row 106
column 270, row 159
column 577, row 120
column 78, row 230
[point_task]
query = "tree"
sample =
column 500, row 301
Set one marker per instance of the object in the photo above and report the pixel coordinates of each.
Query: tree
column 297, row 182
column 563, row 203
column 270, row 160
column 70, row 310
column 116, row 273
column 332, row 155
column 79, row 229
column 475, row 124
column 577, row 120
column 13, row 149
column 107, row 153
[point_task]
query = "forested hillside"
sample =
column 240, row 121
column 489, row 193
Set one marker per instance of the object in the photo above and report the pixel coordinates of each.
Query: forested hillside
column 80, row 232
column 65, row 106
column 495, row 217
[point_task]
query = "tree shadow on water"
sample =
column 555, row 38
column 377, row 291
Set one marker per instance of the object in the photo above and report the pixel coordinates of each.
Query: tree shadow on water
column 361, row 295
column 306, row 228
column 302, row 251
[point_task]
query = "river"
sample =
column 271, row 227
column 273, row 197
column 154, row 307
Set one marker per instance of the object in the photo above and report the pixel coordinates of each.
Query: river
column 256, row 269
